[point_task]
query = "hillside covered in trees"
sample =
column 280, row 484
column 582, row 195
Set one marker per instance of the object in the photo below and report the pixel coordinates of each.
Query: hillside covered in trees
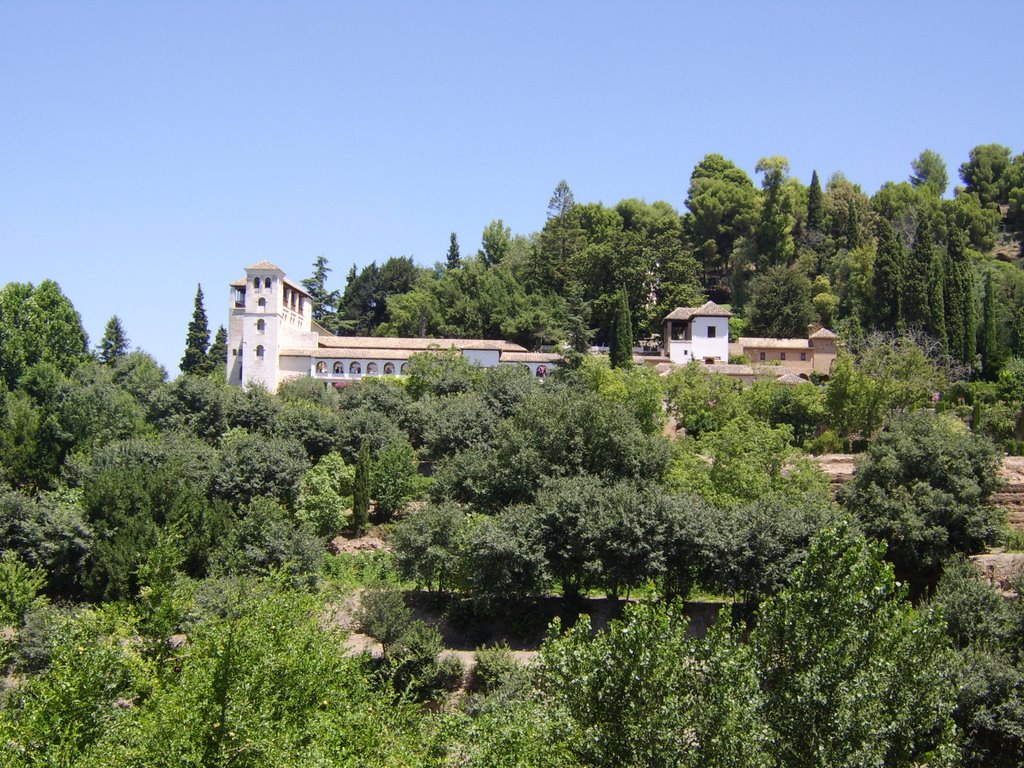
column 184, row 562
column 781, row 253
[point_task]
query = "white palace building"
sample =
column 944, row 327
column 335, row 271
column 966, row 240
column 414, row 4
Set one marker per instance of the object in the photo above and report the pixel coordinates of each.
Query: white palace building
column 272, row 337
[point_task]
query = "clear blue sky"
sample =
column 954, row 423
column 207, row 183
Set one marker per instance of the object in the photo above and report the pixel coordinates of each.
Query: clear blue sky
column 146, row 147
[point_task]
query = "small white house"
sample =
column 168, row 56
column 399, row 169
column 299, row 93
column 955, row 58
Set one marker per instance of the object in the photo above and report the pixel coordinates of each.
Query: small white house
column 697, row 333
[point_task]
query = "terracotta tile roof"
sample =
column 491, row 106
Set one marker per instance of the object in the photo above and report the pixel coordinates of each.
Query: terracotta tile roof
column 755, row 342
column 364, row 353
column 823, row 333
column 263, row 265
column 707, row 309
column 730, row 369
column 771, row 371
column 239, row 283
column 761, row 371
column 530, row 357
column 419, row 345
column 792, row 378
column 654, row 360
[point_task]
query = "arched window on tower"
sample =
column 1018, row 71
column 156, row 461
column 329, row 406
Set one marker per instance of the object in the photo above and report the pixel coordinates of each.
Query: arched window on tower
column 259, row 351
column 266, row 283
column 256, row 283
column 261, row 325
column 262, row 303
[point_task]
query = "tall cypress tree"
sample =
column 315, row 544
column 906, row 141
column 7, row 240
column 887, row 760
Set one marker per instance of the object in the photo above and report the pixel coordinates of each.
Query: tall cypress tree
column 954, row 305
column 957, row 296
column 217, row 356
column 198, row 339
column 916, row 305
column 936, row 301
column 361, row 489
column 852, row 226
column 454, row 257
column 961, row 316
column 1017, row 333
column 970, row 315
column 989, row 349
column 621, row 347
column 815, row 204
column 114, row 343
column 888, row 280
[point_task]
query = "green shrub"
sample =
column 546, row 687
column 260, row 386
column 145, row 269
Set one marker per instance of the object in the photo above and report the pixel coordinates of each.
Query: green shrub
column 20, row 586
column 497, row 668
column 827, row 442
column 384, row 615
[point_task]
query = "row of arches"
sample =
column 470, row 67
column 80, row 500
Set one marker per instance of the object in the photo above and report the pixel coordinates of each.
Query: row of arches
column 356, row 368
column 256, row 283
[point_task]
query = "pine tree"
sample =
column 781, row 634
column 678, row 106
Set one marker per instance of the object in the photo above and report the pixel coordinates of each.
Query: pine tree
column 775, row 232
column 198, row 340
column 217, row 356
column 815, row 204
column 361, row 489
column 454, row 257
column 936, row 301
column 989, row 349
column 916, row 305
column 325, row 302
column 889, row 272
column 114, row 343
column 621, row 344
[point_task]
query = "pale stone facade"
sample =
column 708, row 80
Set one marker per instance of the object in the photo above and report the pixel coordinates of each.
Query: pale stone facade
column 815, row 354
column 272, row 338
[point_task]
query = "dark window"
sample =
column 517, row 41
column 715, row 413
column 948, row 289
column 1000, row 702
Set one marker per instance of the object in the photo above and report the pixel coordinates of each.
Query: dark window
column 760, row 355
column 259, row 351
column 782, row 355
column 266, row 283
column 712, row 331
column 803, row 355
